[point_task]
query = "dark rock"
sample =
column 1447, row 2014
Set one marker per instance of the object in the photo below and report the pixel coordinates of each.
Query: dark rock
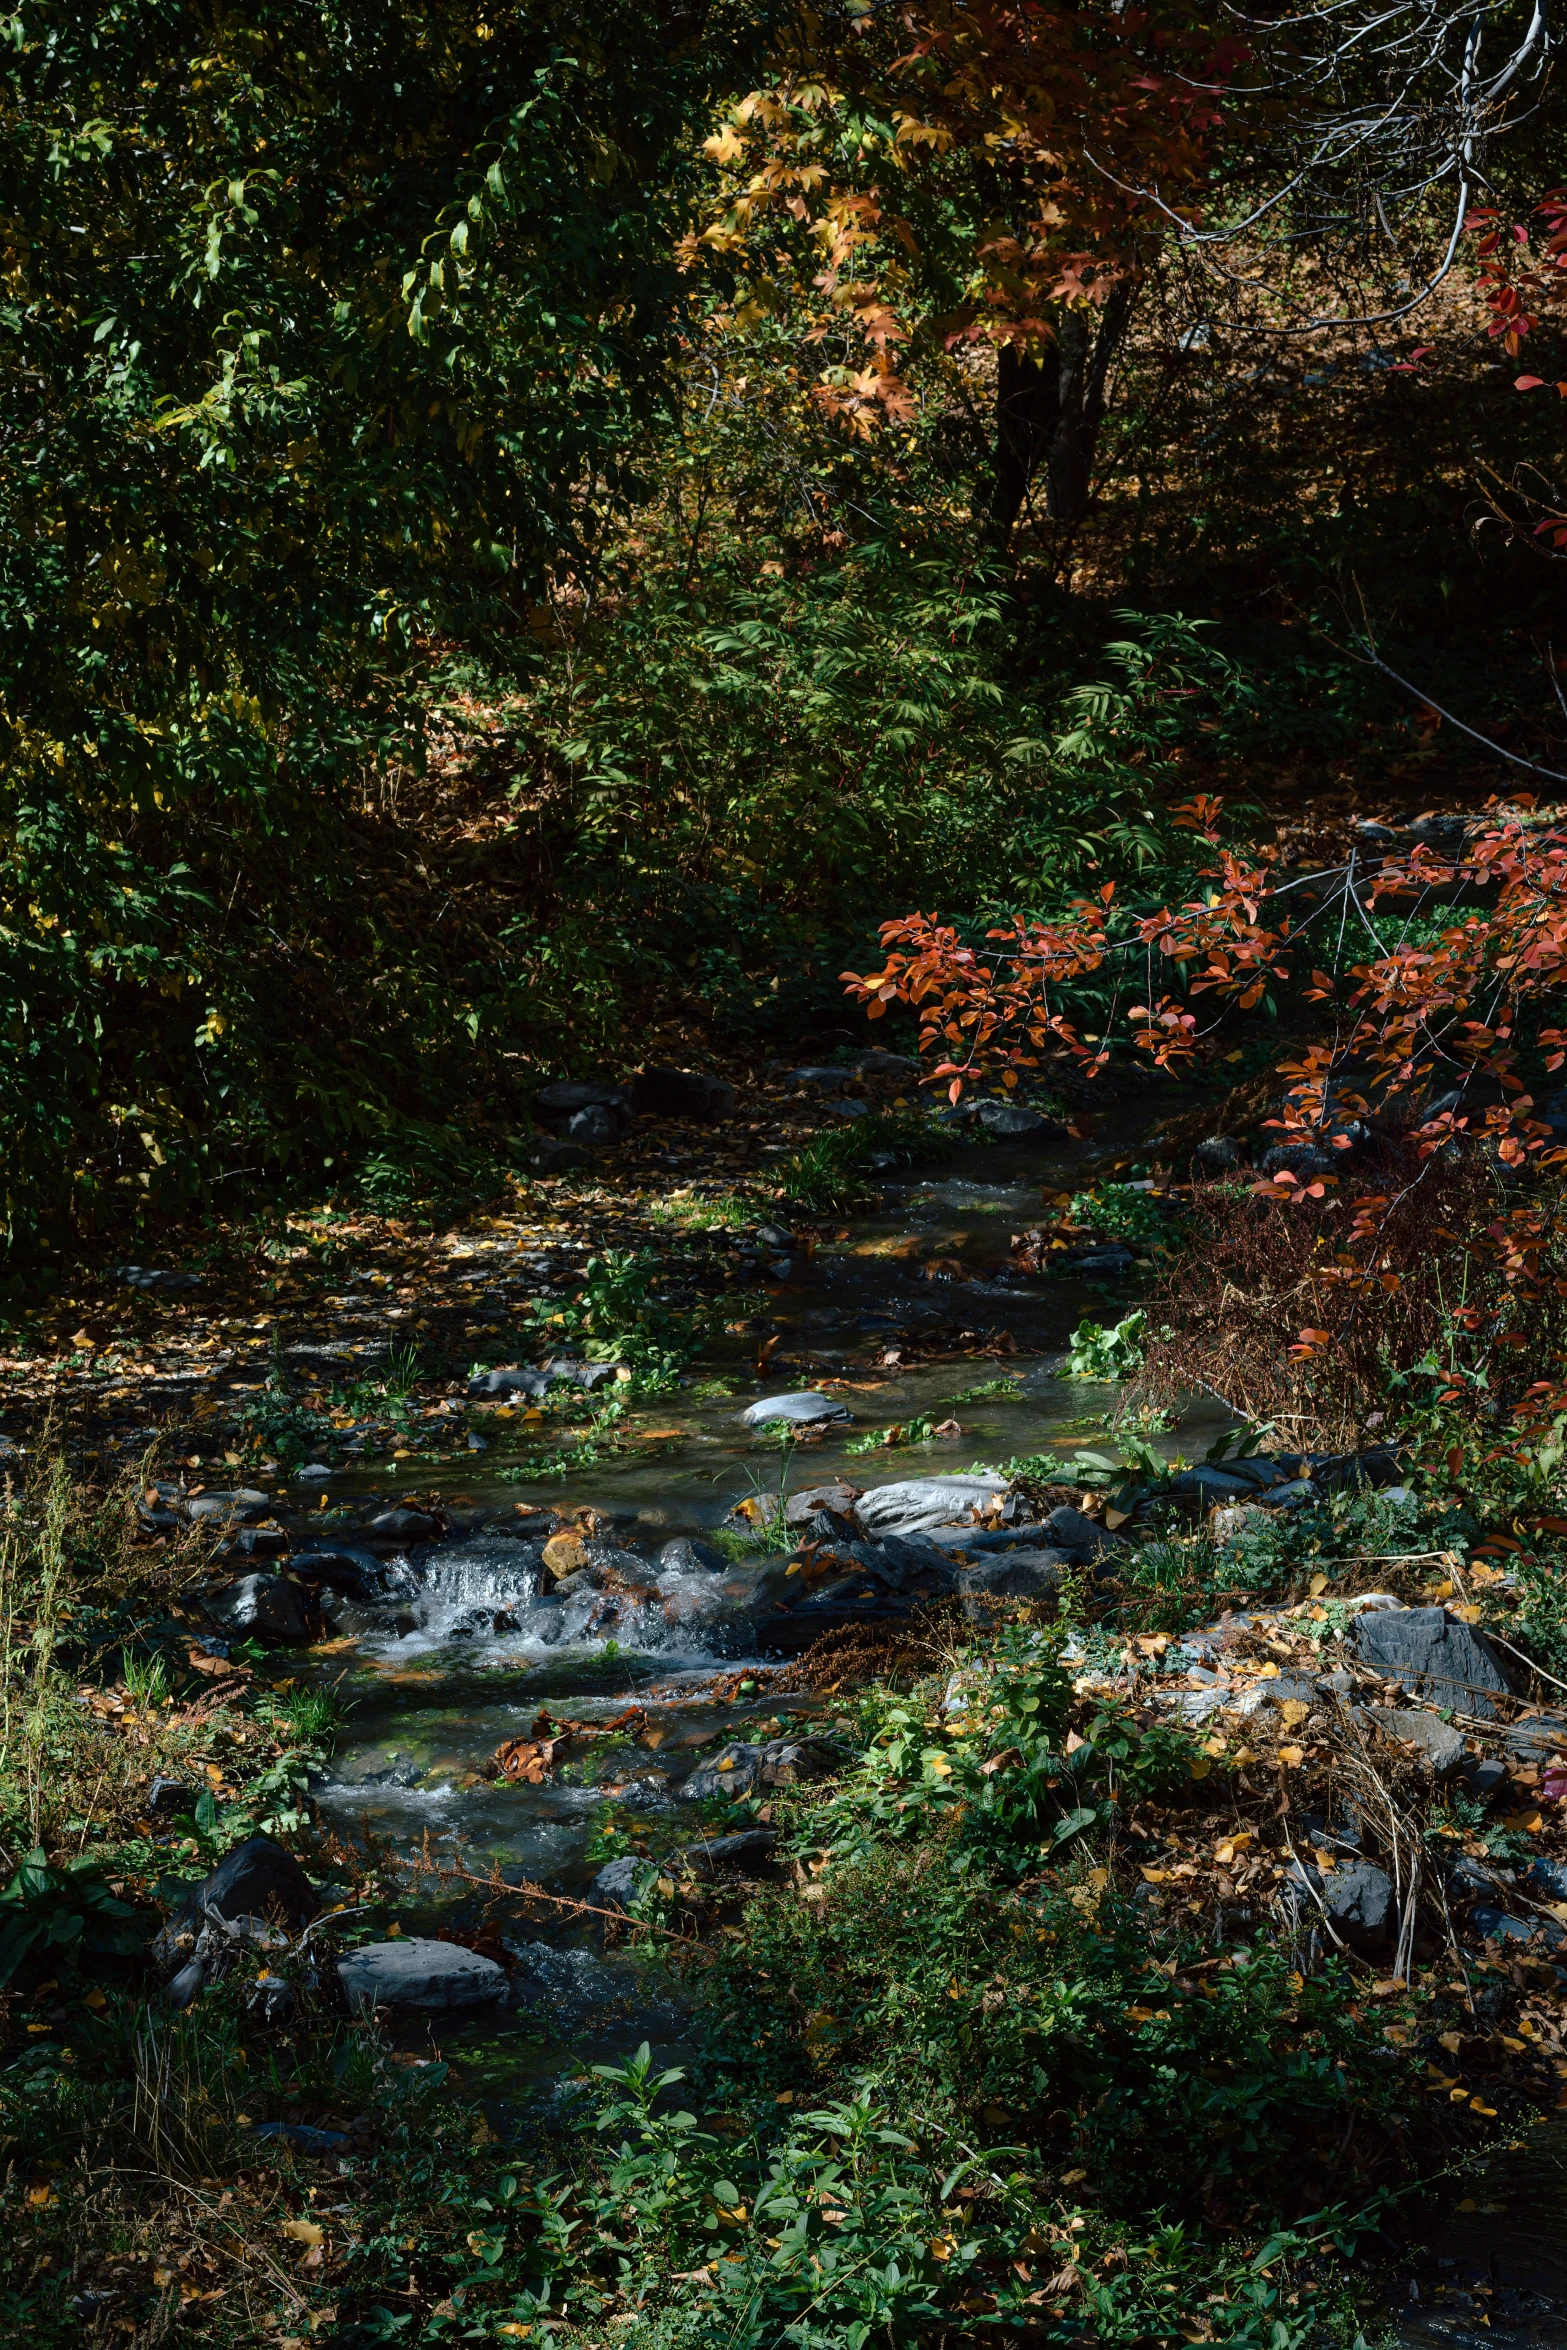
column 1019, row 1574
column 821, row 1079
column 1547, row 1879
column 848, row 1111
column 403, row 1525
column 1483, row 1775
column 1434, row 1655
column 555, row 1154
column 557, row 1106
column 260, row 1607
column 803, row 1506
column 1083, row 1536
column 1106, row 1263
column 1495, row 1925
column 146, row 1277
column 739, row 1769
column 680, row 1093
column 804, row 1408
column 1359, row 1900
column 1300, row 1159
column 727, row 1852
column 167, row 1798
column 593, row 1128
column 1014, row 1121
column 302, row 2137
column 239, row 1508
column 429, row 1978
column 619, row 1882
column 256, row 1542
column 877, row 1063
column 258, row 1879
column 684, row 1556
column 1217, row 1154
column 1536, row 1740
column 357, row 1574
column 775, row 1236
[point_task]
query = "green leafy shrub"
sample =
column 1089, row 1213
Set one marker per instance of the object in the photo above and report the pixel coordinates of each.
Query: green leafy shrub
column 618, row 1316
column 1117, row 1353
column 62, row 1918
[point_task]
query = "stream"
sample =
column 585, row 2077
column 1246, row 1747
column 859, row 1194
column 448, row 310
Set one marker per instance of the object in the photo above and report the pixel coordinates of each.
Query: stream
column 430, row 1688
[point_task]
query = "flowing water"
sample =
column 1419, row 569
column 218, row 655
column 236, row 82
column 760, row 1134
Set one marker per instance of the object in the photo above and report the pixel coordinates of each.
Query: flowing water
column 432, row 1688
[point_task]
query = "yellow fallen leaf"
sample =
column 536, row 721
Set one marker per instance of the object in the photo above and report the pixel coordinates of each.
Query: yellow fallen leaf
column 1114, row 1518
column 40, row 2197
column 1293, row 1712
column 1292, row 1757
column 304, row 2231
column 1071, row 2178
column 942, row 2247
column 1526, row 1823
column 1156, row 1876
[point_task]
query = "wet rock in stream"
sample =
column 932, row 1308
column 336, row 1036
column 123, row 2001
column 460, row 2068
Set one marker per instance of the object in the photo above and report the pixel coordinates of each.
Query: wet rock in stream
column 430, row 1978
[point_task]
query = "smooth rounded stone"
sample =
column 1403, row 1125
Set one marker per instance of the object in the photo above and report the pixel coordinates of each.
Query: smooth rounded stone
column 255, row 1542
column 620, row 1881
column 681, row 1093
column 878, row 1063
column 847, row 1111
column 1442, row 1745
column 313, row 1473
column 684, row 1556
column 1537, row 1740
column 919, row 1505
column 265, row 1607
column 431, row 1978
column 514, row 1379
column 559, row 1106
column 1435, row 1656
column 153, row 1277
column 804, row 1408
column 1082, row 1535
column 1216, row 1155
column 776, row 1236
column 1496, row 1925
column 824, row 1077
column 1292, row 1496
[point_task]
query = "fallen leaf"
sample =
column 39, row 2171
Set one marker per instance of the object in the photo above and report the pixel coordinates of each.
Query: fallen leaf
column 1292, row 1757
column 304, row 2231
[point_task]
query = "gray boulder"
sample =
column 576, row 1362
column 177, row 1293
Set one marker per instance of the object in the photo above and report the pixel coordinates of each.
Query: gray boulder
column 153, row 1278
column 357, row 1574
column 556, row 1154
column 1536, row 1740
column 1435, row 1656
column 805, row 1408
column 242, row 1507
column 1013, row 1121
column 260, row 1607
column 729, row 1852
column 1083, row 1536
column 918, row 1505
column 822, row 1079
column 559, row 1106
column 620, row 1881
column 1547, row 1879
column 258, row 1879
column 1438, row 1741
column 883, row 1064
column 1282, row 1689
column 429, row 1978
column 1216, row 1155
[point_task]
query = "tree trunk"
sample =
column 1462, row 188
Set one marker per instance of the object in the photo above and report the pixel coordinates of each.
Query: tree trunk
column 1048, row 414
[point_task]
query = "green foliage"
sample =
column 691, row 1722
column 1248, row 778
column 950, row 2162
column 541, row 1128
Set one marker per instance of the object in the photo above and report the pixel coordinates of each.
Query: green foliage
column 62, row 1918
column 1120, row 1211
column 837, row 1169
column 617, row 1316
column 1114, row 1354
column 902, row 1432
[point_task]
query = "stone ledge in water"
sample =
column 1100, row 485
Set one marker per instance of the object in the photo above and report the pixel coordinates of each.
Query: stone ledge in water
column 805, row 1408
column 435, row 1978
column 738, row 1769
column 918, row 1505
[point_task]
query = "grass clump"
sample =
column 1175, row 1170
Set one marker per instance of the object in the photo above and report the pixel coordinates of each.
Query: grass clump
column 836, row 1170
column 617, row 1316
